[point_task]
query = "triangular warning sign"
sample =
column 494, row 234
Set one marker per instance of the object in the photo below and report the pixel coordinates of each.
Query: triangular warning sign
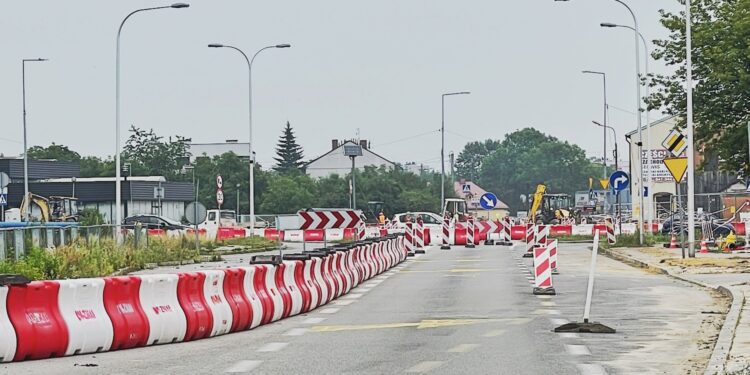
column 677, row 167
column 604, row 182
column 3, row 200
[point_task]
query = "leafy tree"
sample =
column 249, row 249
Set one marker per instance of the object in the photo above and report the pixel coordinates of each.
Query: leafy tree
column 289, row 153
column 92, row 166
column 528, row 157
column 150, row 154
column 288, row 194
column 336, row 192
column 53, row 151
column 469, row 161
column 721, row 40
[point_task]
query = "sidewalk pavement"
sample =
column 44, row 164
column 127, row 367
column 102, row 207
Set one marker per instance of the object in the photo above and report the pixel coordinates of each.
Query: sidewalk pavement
column 728, row 273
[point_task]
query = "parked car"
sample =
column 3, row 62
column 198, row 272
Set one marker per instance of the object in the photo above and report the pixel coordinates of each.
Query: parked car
column 717, row 228
column 153, row 222
column 427, row 218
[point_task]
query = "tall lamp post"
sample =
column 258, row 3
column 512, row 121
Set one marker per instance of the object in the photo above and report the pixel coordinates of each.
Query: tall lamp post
column 617, row 166
column 25, row 143
column 118, row 185
column 250, row 117
column 604, row 160
column 442, row 145
column 649, row 182
column 690, row 130
column 638, row 111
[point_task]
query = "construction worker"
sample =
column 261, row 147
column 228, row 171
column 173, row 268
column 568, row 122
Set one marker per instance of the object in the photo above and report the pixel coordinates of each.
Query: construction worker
column 381, row 218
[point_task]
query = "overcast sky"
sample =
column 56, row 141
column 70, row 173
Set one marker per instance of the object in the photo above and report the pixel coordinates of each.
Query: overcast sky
column 376, row 67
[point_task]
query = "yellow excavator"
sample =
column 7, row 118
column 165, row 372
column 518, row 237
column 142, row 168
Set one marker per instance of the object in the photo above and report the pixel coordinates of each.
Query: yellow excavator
column 549, row 208
column 54, row 208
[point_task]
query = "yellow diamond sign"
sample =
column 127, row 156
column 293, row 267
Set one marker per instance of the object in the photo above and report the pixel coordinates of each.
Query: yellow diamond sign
column 677, row 167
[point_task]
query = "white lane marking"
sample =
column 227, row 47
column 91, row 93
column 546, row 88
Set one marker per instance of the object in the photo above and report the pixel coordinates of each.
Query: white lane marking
column 463, row 348
column 548, row 303
column 273, row 347
column 425, row 366
column 559, row 322
column 296, row 332
column 543, row 297
column 330, row 310
column 577, row 350
column 353, row 295
column 591, row 369
column 343, row 302
column 494, row 333
column 313, row 320
column 243, row 366
column 569, row 335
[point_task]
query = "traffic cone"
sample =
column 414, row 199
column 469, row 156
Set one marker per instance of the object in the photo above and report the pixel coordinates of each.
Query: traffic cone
column 673, row 242
column 704, row 247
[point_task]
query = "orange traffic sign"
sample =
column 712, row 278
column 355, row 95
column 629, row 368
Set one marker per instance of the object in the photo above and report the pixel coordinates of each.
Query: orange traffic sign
column 677, row 167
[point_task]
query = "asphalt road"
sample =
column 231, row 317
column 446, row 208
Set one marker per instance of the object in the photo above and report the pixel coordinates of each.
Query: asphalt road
column 468, row 311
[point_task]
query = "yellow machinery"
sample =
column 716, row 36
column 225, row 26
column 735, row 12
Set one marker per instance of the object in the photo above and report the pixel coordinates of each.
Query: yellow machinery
column 53, row 209
column 549, row 208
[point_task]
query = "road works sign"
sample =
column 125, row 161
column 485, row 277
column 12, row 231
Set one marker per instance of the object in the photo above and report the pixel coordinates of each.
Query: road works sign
column 328, row 219
column 676, row 142
column 677, row 167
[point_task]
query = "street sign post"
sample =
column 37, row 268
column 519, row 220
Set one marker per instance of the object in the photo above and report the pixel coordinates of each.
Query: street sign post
column 219, row 197
column 677, row 167
column 488, row 201
column 219, row 182
column 619, row 181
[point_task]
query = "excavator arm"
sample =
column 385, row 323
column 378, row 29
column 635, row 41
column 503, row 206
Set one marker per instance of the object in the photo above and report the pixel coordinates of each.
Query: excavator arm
column 537, row 201
column 39, row 201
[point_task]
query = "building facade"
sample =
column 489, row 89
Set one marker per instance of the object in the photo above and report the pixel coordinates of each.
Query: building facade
column 472, row 193
column 336, row 162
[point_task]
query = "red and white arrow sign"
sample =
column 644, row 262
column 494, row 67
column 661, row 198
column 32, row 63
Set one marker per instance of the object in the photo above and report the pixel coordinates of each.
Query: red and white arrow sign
column 328, row 219
column 486, row 226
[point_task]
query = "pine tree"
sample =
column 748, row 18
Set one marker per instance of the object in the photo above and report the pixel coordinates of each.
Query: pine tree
column 289, row 153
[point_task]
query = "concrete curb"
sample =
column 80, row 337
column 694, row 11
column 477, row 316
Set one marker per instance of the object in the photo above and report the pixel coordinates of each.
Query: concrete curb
column 720, row 354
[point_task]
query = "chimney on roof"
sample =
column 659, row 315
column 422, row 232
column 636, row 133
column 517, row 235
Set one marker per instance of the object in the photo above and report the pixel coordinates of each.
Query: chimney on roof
column 334, row 144
column 363, row 144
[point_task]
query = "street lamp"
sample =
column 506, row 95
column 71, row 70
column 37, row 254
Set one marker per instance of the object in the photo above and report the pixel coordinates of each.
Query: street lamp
column 617, row 167
column 118, row 187
column 442, row 145
column 25, row 144
column 690, row 129
column 251, row 155
column 638, row 111
column 649, row 182
column 604, row 79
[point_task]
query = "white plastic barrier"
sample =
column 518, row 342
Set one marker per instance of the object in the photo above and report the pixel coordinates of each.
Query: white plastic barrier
column 318, row 271
column 312, row 283
column 252, row 296
column 372, row 232
column 343, row 265
column 81, row 303
column 167, row 322
column 273, row 291
column 8, row 333
column 334, row 234
column 627, row 228
column 583, row 230
column 213, row 291
column 353, row 267
column 293, row 236
column 292, row 287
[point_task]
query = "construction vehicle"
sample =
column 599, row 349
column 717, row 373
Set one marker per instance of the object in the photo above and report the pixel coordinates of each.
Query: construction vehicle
column 456, row 208
column 374, row 208
column 52, row 209
column 550, row 208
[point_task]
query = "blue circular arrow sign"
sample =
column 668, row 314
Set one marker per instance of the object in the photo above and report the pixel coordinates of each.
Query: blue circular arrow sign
column 488, row 201
column 619, row 181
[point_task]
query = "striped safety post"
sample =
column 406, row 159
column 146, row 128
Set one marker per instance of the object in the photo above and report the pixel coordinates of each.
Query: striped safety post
column 361, row 231
column 611, row 239
column 446, row 233
column 552, row 244
column 409, row 238
column 530, row 238
column 470, row 233
column 505, row 237
column 542, row 272
column 419, row 238
column 542, row 233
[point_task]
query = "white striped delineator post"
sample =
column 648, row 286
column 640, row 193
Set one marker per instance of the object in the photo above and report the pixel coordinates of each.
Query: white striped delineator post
column 409, row 238
column 542, row 272
column 419, row 238
column 552, row 245
column 470, row 232
column 542, row 233
column 611, row 239
column 530, row 240
column 505, row 238
column 446, row 233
